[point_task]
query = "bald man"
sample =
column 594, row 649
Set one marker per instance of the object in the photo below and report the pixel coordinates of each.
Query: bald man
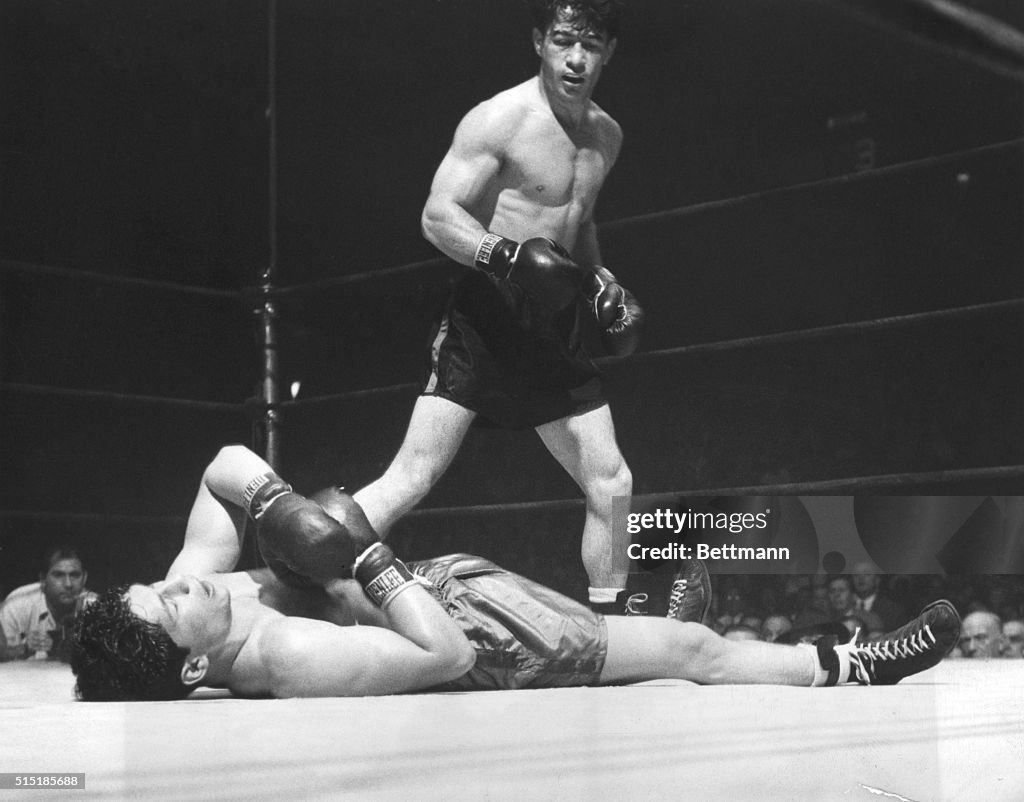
column 981, row 635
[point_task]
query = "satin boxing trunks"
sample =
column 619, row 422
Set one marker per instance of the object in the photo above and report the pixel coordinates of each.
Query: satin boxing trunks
column 498, row 353
column 525, row 635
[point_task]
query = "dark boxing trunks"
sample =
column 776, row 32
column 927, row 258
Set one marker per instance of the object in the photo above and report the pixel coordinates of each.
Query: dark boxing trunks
column 515, row 364
column 525, row 635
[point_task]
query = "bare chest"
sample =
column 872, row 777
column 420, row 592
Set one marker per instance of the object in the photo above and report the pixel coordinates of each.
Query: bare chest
column 548, row 167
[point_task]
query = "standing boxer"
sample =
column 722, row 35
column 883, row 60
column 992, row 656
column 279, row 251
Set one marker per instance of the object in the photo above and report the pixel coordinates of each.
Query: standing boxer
column 513, row 203
column 451, row 623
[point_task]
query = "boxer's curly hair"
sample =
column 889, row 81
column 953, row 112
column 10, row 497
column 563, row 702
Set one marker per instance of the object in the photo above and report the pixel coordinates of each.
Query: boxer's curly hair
column 603, row 16
column 119, row 657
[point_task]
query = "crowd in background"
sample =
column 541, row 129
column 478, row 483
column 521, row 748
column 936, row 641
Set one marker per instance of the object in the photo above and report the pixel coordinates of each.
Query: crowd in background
column 868, row 605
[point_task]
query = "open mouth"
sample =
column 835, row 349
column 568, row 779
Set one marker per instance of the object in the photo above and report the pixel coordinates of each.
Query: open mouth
column 574, row 80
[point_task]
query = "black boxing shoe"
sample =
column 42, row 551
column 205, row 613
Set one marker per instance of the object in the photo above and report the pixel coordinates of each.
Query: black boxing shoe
column 690, row 595
column 912, row 648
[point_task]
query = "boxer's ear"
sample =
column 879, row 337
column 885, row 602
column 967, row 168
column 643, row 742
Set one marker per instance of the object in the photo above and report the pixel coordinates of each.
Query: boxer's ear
column 195, row 669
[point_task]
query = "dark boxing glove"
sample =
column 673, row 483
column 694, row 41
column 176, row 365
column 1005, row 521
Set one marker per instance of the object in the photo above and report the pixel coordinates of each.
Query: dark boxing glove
column 619, row 317
column 299, row 541
column 346, row 511
column 382, row 575
column 541, row 266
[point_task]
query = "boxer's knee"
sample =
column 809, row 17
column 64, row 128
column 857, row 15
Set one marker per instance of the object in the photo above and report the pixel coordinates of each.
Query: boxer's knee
column 709, row 654
column 612, row 478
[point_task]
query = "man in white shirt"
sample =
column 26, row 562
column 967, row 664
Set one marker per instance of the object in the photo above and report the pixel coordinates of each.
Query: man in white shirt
column 33, row 617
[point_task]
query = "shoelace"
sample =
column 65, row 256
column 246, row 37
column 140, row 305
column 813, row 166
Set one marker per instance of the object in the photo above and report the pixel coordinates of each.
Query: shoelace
column 676, row 596
column 881, row 651
column 634, row 604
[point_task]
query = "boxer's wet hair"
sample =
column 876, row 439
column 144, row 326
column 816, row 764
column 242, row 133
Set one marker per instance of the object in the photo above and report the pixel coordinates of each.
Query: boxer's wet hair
column 600, row 16
column 119, row 657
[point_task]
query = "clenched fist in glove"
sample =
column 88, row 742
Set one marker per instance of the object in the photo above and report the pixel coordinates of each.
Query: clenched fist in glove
column 619, row 317
column 540, row 266
column 300, row 542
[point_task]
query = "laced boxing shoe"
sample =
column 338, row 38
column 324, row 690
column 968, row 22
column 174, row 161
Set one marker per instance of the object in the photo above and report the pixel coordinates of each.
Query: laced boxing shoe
column 914, row 647
column 690, row 595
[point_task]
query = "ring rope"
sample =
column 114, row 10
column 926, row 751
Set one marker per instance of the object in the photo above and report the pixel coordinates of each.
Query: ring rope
column 109, row 395
column 436, row 262
column 807, row 335
column 91, row 517
column 685, row 211
column 974, row 28
column 828, row 486
column 800, row 335
column 101, row 278
column 824, row 487
column 790, row 189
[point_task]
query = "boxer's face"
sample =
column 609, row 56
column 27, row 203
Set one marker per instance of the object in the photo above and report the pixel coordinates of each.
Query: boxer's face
column 196, row 614
column 572, row 56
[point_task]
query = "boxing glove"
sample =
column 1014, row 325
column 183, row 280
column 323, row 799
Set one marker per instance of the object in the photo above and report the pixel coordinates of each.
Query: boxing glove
column 619, row 316
column 299, row 541
column 382, row 575
column 540, row 266
column 346, row 511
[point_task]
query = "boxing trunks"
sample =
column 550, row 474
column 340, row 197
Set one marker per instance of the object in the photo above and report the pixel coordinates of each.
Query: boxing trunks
column 498, row 353
column 525, row 635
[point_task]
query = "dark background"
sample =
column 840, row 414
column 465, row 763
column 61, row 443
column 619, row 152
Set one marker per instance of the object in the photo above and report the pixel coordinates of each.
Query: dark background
column 818, row 203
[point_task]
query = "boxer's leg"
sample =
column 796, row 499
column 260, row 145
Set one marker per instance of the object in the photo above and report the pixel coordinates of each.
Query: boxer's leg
column 644, row 648
column 648, row 648
column 436, row 430
column 585, row 446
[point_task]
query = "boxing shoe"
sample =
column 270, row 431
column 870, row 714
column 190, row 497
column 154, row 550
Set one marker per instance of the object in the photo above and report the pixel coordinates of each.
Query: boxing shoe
column 911, row 649
column 690, row 595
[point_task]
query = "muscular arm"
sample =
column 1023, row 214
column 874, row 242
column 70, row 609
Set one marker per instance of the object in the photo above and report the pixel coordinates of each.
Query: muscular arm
column 422, row 648
column 461, row 182
column 216, row 523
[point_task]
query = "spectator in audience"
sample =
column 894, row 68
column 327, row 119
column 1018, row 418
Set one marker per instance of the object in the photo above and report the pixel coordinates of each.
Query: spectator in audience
column 816, row 610
column 869, row 597
column 840, row 597
column 1013, row 638
column 35, row 617
column 981, row 635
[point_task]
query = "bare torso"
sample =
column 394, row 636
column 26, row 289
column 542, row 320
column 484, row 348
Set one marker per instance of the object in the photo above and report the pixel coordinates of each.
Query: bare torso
column 520, row 172
column 259, row 600
column 551, row 176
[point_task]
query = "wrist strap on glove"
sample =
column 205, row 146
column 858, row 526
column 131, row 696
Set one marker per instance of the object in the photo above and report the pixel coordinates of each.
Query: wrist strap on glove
column 496, row 255
column 261, row 492
column 382, row 575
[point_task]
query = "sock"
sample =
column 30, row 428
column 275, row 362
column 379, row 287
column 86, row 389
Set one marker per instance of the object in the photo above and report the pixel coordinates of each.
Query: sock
column 830, row 667
column 616, row 605
column 603, row 595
